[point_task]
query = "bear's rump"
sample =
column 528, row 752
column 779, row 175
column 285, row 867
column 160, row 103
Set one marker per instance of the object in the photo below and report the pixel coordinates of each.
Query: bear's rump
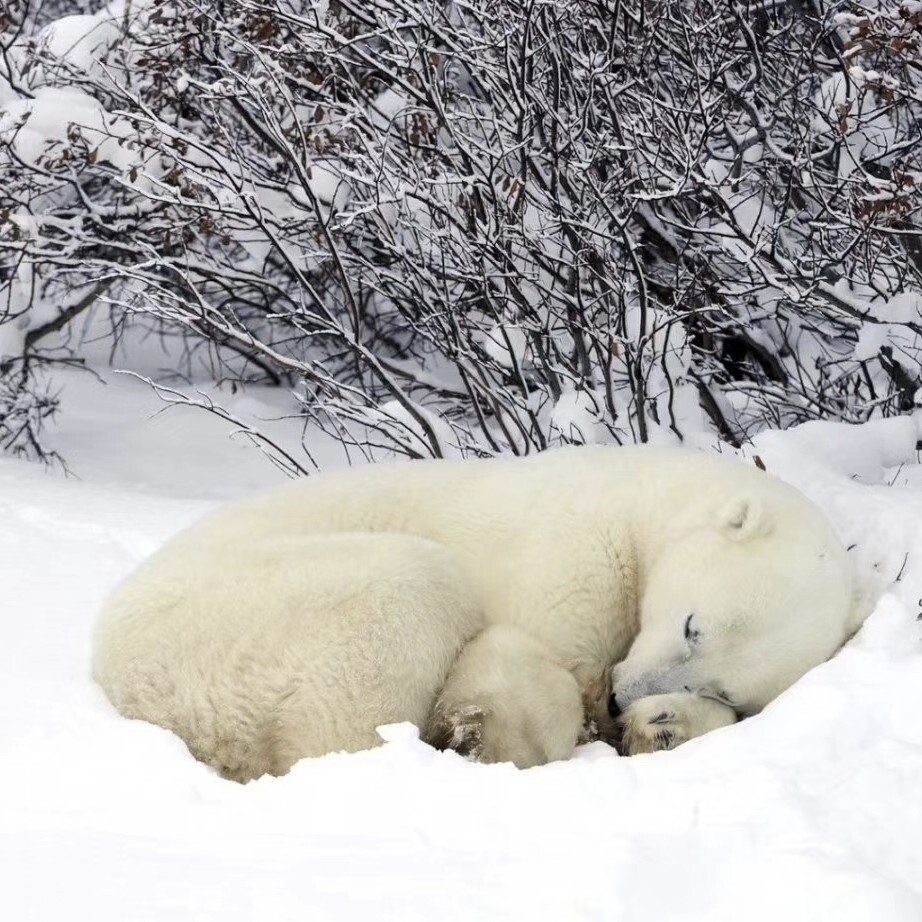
column 259, row 656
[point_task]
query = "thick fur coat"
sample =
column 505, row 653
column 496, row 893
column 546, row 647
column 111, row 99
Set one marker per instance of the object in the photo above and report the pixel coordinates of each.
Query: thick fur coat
column 486, row 601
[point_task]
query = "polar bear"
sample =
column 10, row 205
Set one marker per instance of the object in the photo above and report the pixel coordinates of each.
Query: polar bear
column 501, row 604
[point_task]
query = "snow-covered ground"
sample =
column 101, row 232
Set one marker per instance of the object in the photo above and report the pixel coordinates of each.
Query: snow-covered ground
column 811, row 811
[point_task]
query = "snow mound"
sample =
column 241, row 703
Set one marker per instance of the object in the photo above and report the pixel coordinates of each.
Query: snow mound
column 810, row 811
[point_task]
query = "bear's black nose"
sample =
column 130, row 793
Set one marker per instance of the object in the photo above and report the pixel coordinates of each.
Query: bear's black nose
column 613, row 708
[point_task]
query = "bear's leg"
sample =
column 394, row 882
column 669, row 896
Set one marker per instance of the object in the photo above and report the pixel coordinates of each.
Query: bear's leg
column 507, row 700
column 666, row 721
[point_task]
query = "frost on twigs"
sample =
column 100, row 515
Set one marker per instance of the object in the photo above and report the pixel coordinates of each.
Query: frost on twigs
column 464, row 228
column 24, row 405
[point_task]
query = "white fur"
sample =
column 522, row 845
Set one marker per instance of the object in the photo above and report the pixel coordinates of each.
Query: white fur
column 261, row 651
column 294, row 623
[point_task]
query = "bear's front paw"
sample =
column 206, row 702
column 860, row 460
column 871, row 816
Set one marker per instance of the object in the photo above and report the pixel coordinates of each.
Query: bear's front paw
column 666, row 721
column 650, row 725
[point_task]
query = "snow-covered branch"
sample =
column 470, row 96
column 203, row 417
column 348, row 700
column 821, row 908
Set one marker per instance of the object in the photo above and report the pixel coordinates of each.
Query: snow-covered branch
column 470, row 226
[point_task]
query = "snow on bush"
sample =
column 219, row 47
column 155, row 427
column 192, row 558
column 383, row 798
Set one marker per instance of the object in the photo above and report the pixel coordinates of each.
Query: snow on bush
column 472, row 226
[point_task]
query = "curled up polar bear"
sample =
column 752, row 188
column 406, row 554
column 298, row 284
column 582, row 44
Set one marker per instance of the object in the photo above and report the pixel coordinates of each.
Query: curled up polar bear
column 502, row 605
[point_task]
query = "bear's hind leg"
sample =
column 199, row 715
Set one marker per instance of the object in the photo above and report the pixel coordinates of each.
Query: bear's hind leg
column 507, row 700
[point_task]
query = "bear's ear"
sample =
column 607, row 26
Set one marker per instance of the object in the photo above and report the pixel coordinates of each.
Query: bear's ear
column 744, row 517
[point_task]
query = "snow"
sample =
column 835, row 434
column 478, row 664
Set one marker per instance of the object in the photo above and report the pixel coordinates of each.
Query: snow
column 117, row 433
column 810, row 811
column 80, row 41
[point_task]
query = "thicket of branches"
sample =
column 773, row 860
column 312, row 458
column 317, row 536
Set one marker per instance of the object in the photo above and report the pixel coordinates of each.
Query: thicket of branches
column 475, row 225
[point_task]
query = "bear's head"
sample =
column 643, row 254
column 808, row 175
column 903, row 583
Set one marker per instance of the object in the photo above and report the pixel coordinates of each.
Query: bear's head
column 740, row 605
